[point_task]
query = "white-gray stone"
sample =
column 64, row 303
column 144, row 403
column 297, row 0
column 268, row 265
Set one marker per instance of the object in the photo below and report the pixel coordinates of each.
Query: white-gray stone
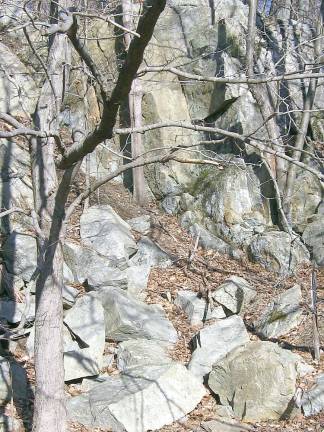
column 69, row 295
column 214, row 342
column 13, row 312
column 258, row 380
column 127, row 318
column 313, row 400
column 139, row 400
column 282, row 314
column 141, row 352
column 20, row 255
column 196, row 308
column 150, row 253
column 88, row 266
column 137, row 277
column 141, row 224
column 85, row 344
column 235, row 293
column 104, row 231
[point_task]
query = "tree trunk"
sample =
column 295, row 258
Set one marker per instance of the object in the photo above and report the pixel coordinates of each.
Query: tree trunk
column 135, row 110
column 49, row 411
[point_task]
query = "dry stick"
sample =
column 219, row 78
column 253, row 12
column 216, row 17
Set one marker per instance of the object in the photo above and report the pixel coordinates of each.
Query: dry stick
column 316, row 335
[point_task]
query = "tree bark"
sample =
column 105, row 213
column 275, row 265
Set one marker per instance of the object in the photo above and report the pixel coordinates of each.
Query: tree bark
column 135, row 111
column 49, row 200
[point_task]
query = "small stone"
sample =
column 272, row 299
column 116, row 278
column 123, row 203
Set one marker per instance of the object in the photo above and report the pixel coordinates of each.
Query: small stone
column 140, row 224
column 235, row 293
column 312, row 401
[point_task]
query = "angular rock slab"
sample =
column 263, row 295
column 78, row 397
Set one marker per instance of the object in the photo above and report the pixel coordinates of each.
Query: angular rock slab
column 108, row 234
column 150, row 253
column 214, row 342
column 277, row 251
column 84, row 347
column 13, row 312
column 127, row 318
column 221, row 426
column 141, row 399
column 141, row 224
column 313, row 236
column 282, row 315
column 86, row 265
column 235, row 293
column 258, row 380
column 141, row 352
column 313, row 401
column 196, row 308
column 20, row 255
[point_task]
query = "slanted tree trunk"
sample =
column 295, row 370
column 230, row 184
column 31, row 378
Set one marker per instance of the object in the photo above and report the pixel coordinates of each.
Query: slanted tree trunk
column 135, row 111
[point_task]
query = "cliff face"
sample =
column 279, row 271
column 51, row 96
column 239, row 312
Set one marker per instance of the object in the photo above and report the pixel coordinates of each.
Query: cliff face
column 234, row 204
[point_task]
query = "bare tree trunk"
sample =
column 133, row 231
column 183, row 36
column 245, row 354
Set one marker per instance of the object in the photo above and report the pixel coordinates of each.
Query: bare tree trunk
column 276, row 165
column 135, row 110
column 305, row 119
column 49, row 411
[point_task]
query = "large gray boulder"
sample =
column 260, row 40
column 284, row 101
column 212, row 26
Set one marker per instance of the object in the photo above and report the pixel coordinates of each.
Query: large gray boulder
column 214, row 342
column 235, row 293
column 141, row 399
column 313, row 400
column 88, row 266
column 141, row 352
column 127, row 318
column 313, row 236
column 20, row 255
column 151, row 254
column 109, row 235
column 278, row 251
column 84, row 338
column 197, row 309
column 282, row 315
column 258, row 380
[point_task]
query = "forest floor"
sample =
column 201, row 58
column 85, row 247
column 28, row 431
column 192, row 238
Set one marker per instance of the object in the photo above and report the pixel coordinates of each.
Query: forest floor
column 207, row 271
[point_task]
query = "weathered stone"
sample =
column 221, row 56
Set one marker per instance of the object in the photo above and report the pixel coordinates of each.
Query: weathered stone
column 20, row 255
column 283, row 314
column 137, row 278
column 214, row 342
column 258, row 380
column 105, row 232
column 18, row 92
column 150, row 253
column 140, row 224
column 9, row 283
column 139, row 400
column 84, row 347
column 5, row 381
column 313, row 400
column 313, row 236
column 208, row 240
column 196, row 308
column 69, row 294
column 235, row 293
column 221, row 426
column 277, row 251
column 127, row 318
column 13, row 312
column 141, row 352
column 88, row 266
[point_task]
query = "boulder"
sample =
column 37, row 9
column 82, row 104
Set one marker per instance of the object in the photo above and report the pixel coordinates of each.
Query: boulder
column 13, row 312
column 277, row 251
column 20, row 255
column 151, row 254
column 281, row 315
column 109, row 235
column 69, row 295
column 140, row 224
column 5, row 381
column 214, row 342
column 221, row 426
column 141, row 399
column 313, row 400
column 137, row 279
column 84, row 338
column 313, row 236
column 234, row 294
column 127, row 318
column 141, row 352
column 88, row 266
column 258, row 380
column 207, row 240
column 196, row 308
